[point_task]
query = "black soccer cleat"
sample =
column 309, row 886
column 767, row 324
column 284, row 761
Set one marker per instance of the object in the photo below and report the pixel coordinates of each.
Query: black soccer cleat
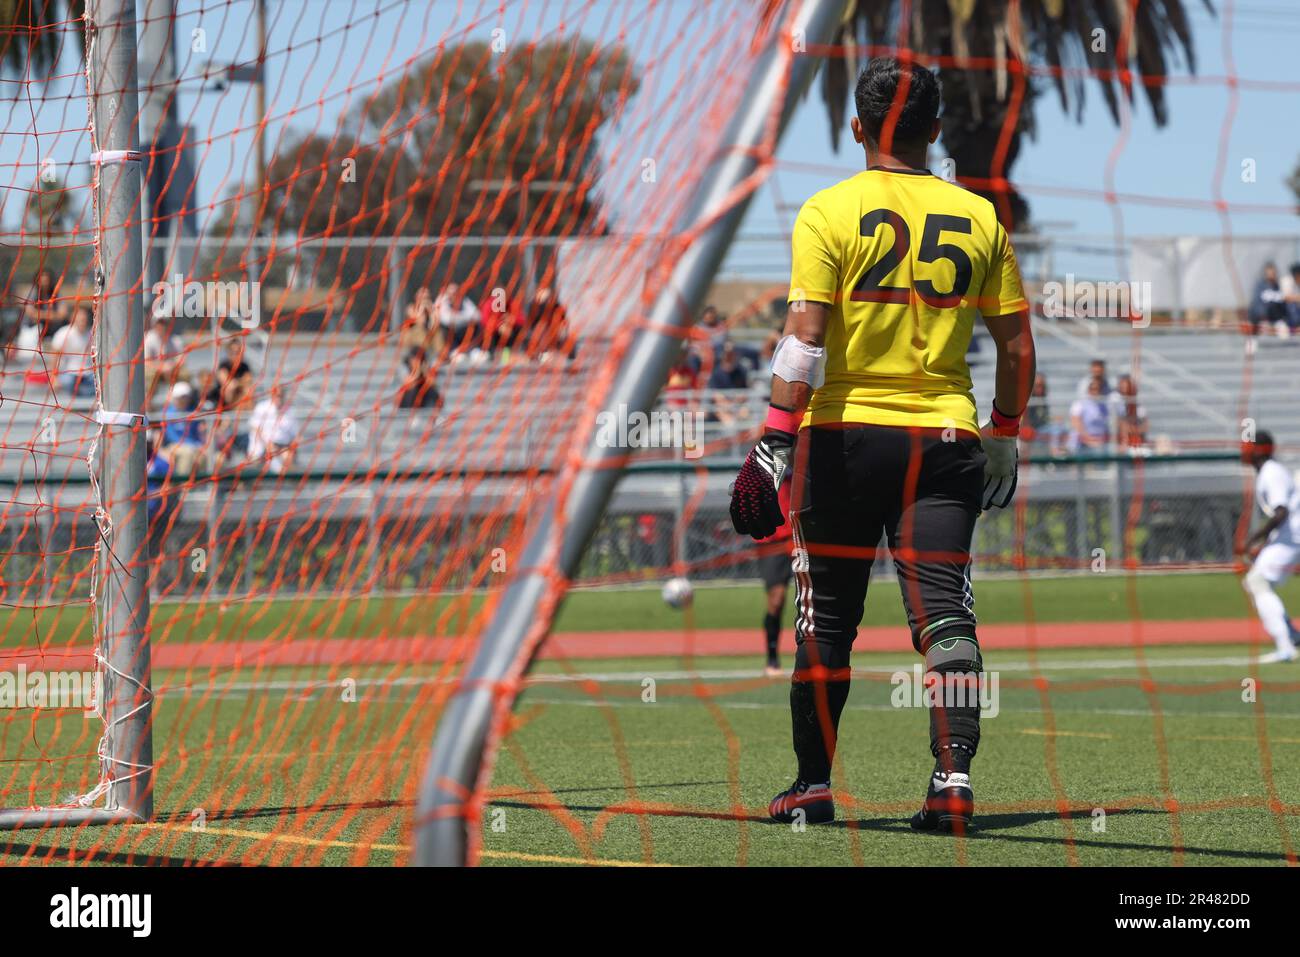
column 949, row 806
column 814, row 800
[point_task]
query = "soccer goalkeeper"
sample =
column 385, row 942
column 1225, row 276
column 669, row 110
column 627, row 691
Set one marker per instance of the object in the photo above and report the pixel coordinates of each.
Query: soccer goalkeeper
column 873, row 420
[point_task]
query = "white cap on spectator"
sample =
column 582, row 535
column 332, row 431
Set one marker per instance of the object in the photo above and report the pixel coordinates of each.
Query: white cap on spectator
column 181, row 390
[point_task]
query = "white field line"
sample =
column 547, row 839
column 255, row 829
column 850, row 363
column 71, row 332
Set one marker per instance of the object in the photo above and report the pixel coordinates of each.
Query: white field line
column 1245, row 712
column 221, row 689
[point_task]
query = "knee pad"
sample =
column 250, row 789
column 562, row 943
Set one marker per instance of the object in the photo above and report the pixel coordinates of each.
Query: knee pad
column 953, row 647
column 1256, row 584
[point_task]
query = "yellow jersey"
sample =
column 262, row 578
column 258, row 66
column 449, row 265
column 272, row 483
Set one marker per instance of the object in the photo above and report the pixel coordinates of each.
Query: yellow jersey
column 905, row 261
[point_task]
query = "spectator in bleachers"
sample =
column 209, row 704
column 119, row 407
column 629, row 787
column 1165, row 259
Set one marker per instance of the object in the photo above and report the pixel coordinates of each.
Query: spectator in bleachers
column 699, row 355
column 1289, row 287
column 457, row 316
column 509, row 341
column 205, row 390
column 1267, row 304
column 158, row 504
column 157, row 469
column 547, row 330
column 420, row 326
column 1090, row 422
column 730, row 372
column 501, row 324
column 44, row 308
column 714, row 327
column 217, row 396
column 1096, row 374
column 164, row 356
column 729, row 383
column 72, row 361
column 1037, row 427
column 24, row 340
column 272, row 432
column 228, row 393
column 419, row 390
column 183, row 432
column 1131, row 417
column 683, row 377
column 234, row 380
column 1038, row 414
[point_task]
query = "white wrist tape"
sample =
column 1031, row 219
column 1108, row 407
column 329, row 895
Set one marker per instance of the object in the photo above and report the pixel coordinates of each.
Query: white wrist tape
column 794, row 361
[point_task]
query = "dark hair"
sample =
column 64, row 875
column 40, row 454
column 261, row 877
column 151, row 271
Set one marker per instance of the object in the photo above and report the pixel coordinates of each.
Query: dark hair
column 876, row 94
column 1264, row 438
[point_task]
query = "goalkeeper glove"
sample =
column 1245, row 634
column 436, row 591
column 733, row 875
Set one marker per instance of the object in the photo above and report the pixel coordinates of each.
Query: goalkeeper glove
column 755, row 503
column 998, row 437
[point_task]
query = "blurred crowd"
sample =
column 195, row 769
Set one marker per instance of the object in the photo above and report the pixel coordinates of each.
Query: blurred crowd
column 1275, row 302
column 201, row 419
column 1103, row 418
column 721, row 375
column 208, row 416
column 718, row 373
column 501, row 327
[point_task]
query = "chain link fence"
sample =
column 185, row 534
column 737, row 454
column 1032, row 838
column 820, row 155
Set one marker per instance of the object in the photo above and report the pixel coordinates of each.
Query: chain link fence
column 302, row 534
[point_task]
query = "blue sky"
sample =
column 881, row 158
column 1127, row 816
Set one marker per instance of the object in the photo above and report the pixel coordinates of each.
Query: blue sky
column 1260, row 43
column 320, row 48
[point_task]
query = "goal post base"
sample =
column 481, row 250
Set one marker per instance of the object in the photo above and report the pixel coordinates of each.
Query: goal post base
column 17, row 819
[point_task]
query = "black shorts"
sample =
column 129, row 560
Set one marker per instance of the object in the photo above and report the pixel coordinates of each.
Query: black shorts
column 776, row 568
column 921, row 489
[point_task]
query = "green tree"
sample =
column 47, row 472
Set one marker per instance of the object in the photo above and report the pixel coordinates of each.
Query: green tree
column 980, row 98
column 427, row 155
column 408, row 159
column 33, row 32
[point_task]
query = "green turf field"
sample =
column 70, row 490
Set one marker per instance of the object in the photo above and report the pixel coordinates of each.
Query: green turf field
column 705, row 756
column 706, row 766
column 1114, row 596
column 283, row 770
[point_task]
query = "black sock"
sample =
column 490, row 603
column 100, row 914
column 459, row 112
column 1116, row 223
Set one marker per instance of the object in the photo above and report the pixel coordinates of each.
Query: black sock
column 772, row 628
column 811, row 746
column 955, row 718
column 953, row 759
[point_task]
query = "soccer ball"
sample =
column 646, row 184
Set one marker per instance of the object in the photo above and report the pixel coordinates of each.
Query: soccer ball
column 678, row 593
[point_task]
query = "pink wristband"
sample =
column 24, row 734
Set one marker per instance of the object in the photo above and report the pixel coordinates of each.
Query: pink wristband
column 1004, row 423
column 783, row 421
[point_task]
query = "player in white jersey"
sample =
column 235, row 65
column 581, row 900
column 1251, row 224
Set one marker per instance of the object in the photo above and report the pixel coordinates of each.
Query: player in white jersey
column 1275, row 546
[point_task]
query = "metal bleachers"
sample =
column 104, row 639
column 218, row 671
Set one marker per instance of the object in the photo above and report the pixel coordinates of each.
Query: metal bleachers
column 1196, row 385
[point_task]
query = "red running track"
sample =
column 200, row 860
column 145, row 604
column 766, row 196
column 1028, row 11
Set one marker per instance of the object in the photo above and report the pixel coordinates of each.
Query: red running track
column 630, row 644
